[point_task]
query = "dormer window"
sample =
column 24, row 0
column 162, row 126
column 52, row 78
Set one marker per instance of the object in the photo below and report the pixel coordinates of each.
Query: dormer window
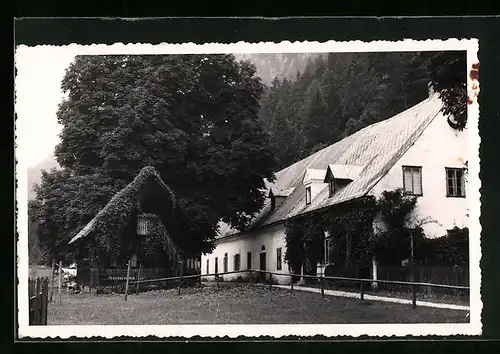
column 278, row 196
column 339, row 176
column 308, row 195
column 331, row 188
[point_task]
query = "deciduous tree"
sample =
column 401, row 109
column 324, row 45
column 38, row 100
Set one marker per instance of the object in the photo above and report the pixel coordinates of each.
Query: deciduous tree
column 194, row 118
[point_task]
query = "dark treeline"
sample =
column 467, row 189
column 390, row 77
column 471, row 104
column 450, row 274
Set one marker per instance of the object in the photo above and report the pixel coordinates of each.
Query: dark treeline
column 338, row 94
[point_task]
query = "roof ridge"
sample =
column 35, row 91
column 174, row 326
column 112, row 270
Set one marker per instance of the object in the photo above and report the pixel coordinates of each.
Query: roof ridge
column 404, row 148
column 368, row 127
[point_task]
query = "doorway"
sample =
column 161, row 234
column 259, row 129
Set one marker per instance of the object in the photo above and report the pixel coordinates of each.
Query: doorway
column 263, row 261
column 262, row 276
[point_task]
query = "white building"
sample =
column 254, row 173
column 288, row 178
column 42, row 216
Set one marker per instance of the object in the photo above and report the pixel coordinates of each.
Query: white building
column 416, row 150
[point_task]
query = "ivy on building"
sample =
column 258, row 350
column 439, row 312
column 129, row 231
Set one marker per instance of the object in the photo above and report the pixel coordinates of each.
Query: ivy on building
column 350, row 228
column 355, row 236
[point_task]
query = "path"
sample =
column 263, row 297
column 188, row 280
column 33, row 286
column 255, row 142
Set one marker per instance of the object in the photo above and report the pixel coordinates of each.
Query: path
column 377, row 298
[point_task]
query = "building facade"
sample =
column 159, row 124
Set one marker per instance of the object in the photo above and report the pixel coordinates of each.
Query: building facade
column 416, row 150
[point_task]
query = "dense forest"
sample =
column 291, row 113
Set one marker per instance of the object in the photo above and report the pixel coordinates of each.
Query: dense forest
column 338, row 94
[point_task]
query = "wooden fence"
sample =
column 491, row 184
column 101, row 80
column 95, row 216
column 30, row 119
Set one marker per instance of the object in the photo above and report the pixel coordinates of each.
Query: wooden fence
column 362, row 283
column 115, row 278
column 446, row 275
column 38, row 300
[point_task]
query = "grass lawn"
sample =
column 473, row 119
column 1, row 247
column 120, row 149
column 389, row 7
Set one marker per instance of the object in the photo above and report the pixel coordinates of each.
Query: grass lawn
column 236, row 304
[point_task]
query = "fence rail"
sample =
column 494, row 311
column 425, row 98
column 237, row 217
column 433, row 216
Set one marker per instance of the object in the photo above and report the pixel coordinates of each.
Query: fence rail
column 38, row 300
column 362, row 282
column 449, row 275
column 92, row 279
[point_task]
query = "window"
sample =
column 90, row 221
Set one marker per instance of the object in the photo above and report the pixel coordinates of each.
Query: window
column 208, row 266
column 278, row 258
column 308, row 195
column 225, row 262
column 331, row 188
column 327, row 245
column 249, row 260
column 455, row 182
column 216, row 265
column 412, row 180
column 236, row 264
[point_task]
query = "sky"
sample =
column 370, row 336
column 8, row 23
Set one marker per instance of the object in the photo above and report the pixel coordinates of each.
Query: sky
column 40, row 71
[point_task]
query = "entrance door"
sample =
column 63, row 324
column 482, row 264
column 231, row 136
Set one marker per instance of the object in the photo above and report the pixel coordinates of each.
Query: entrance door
column 262, row 276
column 263, row 261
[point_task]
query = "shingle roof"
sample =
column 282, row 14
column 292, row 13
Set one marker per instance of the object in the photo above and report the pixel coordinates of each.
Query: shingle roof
column 282, row 192
column 376, row 148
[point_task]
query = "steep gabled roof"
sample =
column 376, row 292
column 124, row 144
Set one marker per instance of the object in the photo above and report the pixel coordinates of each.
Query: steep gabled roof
column 148, row 173
column 376, row 148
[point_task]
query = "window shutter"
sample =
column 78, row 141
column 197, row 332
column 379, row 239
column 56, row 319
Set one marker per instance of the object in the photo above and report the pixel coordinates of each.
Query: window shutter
column 308, row 195
column 407, row 179
column 462, row 184
column 417, row 181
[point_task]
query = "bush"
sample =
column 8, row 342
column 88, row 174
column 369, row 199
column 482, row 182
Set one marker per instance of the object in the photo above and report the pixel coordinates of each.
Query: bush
column 452, row 249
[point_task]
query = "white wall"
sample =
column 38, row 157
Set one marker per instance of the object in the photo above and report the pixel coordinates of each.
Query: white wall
column 271, row 237
column 438, row 147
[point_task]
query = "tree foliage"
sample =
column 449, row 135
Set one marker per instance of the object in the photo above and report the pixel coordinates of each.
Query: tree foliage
column 448, row 74
column 338, row 94
column 194, row 118
column 350, row 228
column 391, row 242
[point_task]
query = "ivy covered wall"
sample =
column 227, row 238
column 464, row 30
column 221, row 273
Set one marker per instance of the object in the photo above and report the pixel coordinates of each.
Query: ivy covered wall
column 354, row 240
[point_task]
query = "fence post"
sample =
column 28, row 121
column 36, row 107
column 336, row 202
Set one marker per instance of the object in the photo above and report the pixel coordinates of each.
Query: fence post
column 59, row 284
column 138, row 278
column 52, row 279
column 362, row 295
column 270, row 281
column 414, row 296
column 217, row 279
column 322, row 285
column 31, row 301
column 291, row 283
column 126, row 283
column 45, row 299
column 38, row 310
column 180, row 278
column 250, row 277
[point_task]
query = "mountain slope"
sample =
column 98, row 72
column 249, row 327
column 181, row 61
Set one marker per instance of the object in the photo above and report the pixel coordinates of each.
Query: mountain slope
column 278, row 65
column 35, row 173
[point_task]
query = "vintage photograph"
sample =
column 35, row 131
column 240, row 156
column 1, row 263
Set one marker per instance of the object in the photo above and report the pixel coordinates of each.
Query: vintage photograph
column 333, row 184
